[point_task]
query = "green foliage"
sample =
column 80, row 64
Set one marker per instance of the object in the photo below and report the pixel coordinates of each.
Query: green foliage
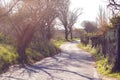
column 103, row 66
column 87, row 48
column 79, row 33
column 5, row 39
column 89, row 27
column 33, row 55
column 91, row 34
column 102, row 63
column 45, row 48
column 115, row 20
column 8, row 56
column 58, row 43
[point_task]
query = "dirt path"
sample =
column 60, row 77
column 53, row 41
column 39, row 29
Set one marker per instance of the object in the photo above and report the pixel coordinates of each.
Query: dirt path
column 72, row 64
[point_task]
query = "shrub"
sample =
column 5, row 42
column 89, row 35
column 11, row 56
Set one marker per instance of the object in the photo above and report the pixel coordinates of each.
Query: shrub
column 58, row 43
column 102, row 63
column 45, row 48
column 8, row 56
column 33, row 55
column 5, row 39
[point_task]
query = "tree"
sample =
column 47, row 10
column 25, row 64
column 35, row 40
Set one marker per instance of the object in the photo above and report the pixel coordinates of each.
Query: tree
column 24, row 25
column 114, row 5
column 68, row 18
column 72, row 18
column 64, row 16
column 89, row 27
column 28, row 18
column 79, row 33
column 102, row 21
column 116, row 23
column 6, row 8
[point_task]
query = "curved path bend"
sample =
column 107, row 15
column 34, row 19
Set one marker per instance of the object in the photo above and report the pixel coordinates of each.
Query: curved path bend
column 72, row 64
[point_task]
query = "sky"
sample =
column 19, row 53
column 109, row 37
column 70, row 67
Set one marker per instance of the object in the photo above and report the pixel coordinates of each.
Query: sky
column 90, row 9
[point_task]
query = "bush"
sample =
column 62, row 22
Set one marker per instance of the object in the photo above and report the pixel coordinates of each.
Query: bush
column 5, row 39
column 58, row 43
column 8, row 56
column 102, row 63
column 45, row 48
column 33, row 55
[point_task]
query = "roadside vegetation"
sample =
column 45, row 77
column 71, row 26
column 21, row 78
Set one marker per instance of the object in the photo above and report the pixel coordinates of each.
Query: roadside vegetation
column 102, row 63
column 58, row 43
column 28, row 31
column 9, row 55
column 35, row 52
column 102, row 40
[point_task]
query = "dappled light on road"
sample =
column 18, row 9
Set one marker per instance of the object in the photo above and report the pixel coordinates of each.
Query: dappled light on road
column 71, row 64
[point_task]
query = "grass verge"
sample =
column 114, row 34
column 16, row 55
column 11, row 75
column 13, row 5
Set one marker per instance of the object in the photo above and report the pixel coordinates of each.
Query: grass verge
column 8, row 56
column 58, row 43
column 102, row 63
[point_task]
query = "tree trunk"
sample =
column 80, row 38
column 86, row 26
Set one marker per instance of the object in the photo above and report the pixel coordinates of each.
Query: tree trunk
column 104, row 46
column 49, row 34
column 66, row 34
column 116, row 67
column 71, row 34
column 22, row 58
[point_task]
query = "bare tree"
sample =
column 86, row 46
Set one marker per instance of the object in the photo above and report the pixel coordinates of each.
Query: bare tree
column 68, row 18
column 64, row 16
column 72, row 19
column 102, row 20
column 29, row 17
column 114, row 5
column 89, row 27
column 24, row 22
column 102, row 17
column 6, row 8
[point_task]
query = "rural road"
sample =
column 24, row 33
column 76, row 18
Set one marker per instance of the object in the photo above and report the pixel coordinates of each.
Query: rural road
column 72, row 64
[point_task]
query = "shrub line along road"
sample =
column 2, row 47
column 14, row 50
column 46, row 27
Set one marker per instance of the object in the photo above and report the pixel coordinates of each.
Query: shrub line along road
column 72, row 64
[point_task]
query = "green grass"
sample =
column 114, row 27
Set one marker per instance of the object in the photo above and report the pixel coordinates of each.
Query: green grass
column 58, row 43
column 102, row 63
column 8, row 56
column 46, row 48
column 33, row 55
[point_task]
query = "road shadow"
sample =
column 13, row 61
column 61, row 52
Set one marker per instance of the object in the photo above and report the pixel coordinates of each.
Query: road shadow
column 56, row 63
column 76, row 41
column 30, row 69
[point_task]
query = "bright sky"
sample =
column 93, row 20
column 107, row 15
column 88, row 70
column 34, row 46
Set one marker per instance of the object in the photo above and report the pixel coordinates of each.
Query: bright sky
column 90, row 9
